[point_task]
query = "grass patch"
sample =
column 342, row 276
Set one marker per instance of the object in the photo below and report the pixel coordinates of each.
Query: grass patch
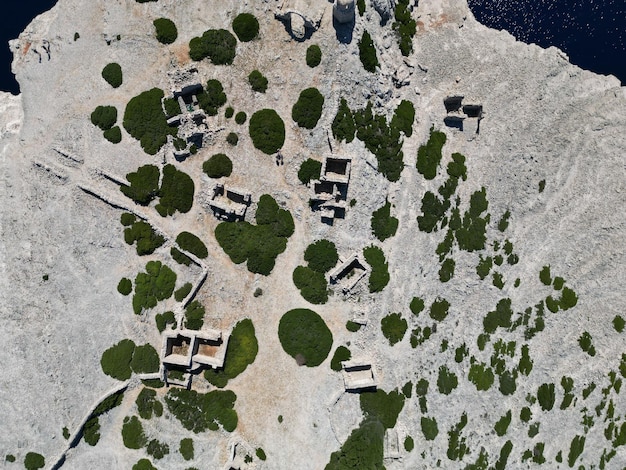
column 321, row 256
column 379, row 277
column 257, row 81
column 308, row 109
column 104, row 117
column 383, row 224
column 246, row 27
column 313, row 55
column 115, row 361
column 156, row 284
column 446, row 381
column 132, row 433
column 198, row 412
column 148, row 404
column 145, row 120
column 312, row 284
column 341, row 354
column 429, row 428
column 429, row 154
column 393, row 327
column 304, row 336
column 309, row 170
column 194, row 315
column 267, row 131
column 112, row 73
column 191, row 243
column 240, row 353
column 186, row 448
column 367, row 53
column 219, row 45
column 343, row 125
column 166, row 32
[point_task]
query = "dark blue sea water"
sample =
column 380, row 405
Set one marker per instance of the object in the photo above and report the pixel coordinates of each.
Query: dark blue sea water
column 591, row 32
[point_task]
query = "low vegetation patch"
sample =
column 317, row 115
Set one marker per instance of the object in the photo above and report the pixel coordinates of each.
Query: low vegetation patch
column 219, row 45
column 144, row 185
column 313, row 55
column 308, row 109
column 145, row 120
column 182, row 292
column 403, row 117
column 246, row 27
column 164, row 319
column 379, row 277
column 218, row 166
column 198, row 412
column 113, row 135
column 194, row 315
column 304, row 336
column 393, row 327
column 186, row 448
column 446, row 381
column 321, row 256
column 156, row 284
column 367, row 53
column 241, row 117
column 166, row 31
column 363, row 449
column 310, row 170
column 132, row 433
column 429, row 428
column 267, row 131
column 257, row 81
column 125, row 286
column 481, row 376
column 383, row 224
column 404, row 26
column 191, row 243
column 144, row 464
column 439, row 309
column 343, row 126
column 112, row 73
column 144, row 236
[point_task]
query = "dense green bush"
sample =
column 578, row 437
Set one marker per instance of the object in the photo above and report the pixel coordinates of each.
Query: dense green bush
column 91, row 429
column 132, row 433
column 148, row 404
column 127, row 219
column 180, row 257
column 312, row 284
column 429, row 428
column 544, row 275
column 145, row 360
column 240, row 353
column 241, row 117
column 267, row 131
column 166, row 32
column 353, row 326
column 191, row 243
column 113, row 135
column 471, row 234
column 112, row 73
column 164, row 319
column 343, row 125
column 310, row 170
column 381, row 406
column 156, row 284
column 383, row 224
column 180, row 294
column 219, row 45
column 379, row 277
column 257, row 81
column 341, row 354
column 446, row 272
column 246, row 27
column 176, row 193
column 308, row 109
column 194, row 315
column 144, row 235
column 115, row 361
column 416, row 306
column 546, row 396
column 481, row 376
column 500, row 317
column 321, row 256
column 172, row 107
column 212, row 97
column 502, row 424
column 144, row 185
column 619, row 323
column 484, row 266
column 186, row 448
column 586, row 343
column 218, row 166
column 34, row 461
column 393, row 327
column 446, row 381
column 576, row 448
column 433, row 211
column 313, row 55
column 367, row 53
column 569, row 299
column 403, row 117
column 409, row 444
column 198, row 412
column 104, row 117
column 232, row 138
column 125, row 286
column 145, row 120
column 429, row 154
column 304, row 336
column 404, row 26
column 362, row 450
column 144, row 464
column 157, row 449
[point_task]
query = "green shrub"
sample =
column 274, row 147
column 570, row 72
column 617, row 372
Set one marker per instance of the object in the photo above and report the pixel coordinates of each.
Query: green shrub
column 258, row 82
column 497, row 280
column 416, row 305
column 576, row 448
column 267, row 131
column 156, row 284
column 404, row 26
column 383, row 224
column 180, row 294
column 112, row 73
column 304, row 335
column 439, row 309
column 147, row 239
column 502, row 424
column 91, row 431
column 308, row 109
column 191, row 243
column 361, row 6
column 500, row 317
column 409, row 444
column 166, row 32
column 240, row 353
column 507, row 383
column 246, row 27
column 367, row 53
column 113, row 135
column 393, row 327
column 309, row 170
column 229, row 112
column 194, row 315
column 157, row 449
column 164, row 319
column 343, row 126
column 341, row 354
column 127, row 219
column 446, row 272
column 145, row 120
column 456, row 168
column 144, row 185
column 429, row 155
column 176, row 193
column 321, row 256
column 148, row 404
column 618, row 323
column 219, row 45
column 232, row 138
column 381, row 406
column 313, row 55
column 433, row 211
column 115, row 361
column 446, row 381
column 403, row 117
column 180, row 257
column 240, row 117
column 186, row 448
column 104, row 117
column 212, row 97
column 144, row 464
column 172, row 107
column 132, row 433
column 260, row 453
column 363, row 449
column 312, row 284
column 145, row 360
column 125, row 286
column 429, row 428
column 568, row 299
column 484, row 266
column 198, row 412
column 546, row 396
column 586, row 343
column 481, row 376
column 544, row 275
column 33, row 461
column 352, row 326
column 379, row 277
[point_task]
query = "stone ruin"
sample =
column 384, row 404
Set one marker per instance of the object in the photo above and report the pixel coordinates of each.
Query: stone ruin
column 465, row 118
column 349, row 272
column 301, row 17
column 358, row 375
column 229, row 203
column 191, row 122
column 343, row 11
column 330, row 192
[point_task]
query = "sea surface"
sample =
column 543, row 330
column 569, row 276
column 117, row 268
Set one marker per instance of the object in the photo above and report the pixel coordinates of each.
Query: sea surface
column 591, row 32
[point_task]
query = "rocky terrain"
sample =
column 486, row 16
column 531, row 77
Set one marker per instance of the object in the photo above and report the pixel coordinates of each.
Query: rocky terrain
column 550, row 151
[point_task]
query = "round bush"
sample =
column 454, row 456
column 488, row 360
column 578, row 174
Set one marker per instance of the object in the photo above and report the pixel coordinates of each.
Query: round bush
column 217, row 166
column 321, row 255
column 104, row 117
column 112, row 73
column 240, row 117
column 166, row 32
column 145, row 360
column 305, row 337
column 33, row 461
column 257, row 81
column 246, row 27
column 125, row 286
column 113, row 135
column 309, row 170
column 229, row 112
column 232, row 138
column 267, row 131
column 308, row 109
column 313, row 55
column 115, row 361
column 218, row 45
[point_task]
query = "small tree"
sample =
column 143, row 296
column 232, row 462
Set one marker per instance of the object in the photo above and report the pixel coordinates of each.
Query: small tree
column 112, row 73
column 313, row 55
column 257, row 81
column 367, row 53
column 246, row 27
column 166, row 32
